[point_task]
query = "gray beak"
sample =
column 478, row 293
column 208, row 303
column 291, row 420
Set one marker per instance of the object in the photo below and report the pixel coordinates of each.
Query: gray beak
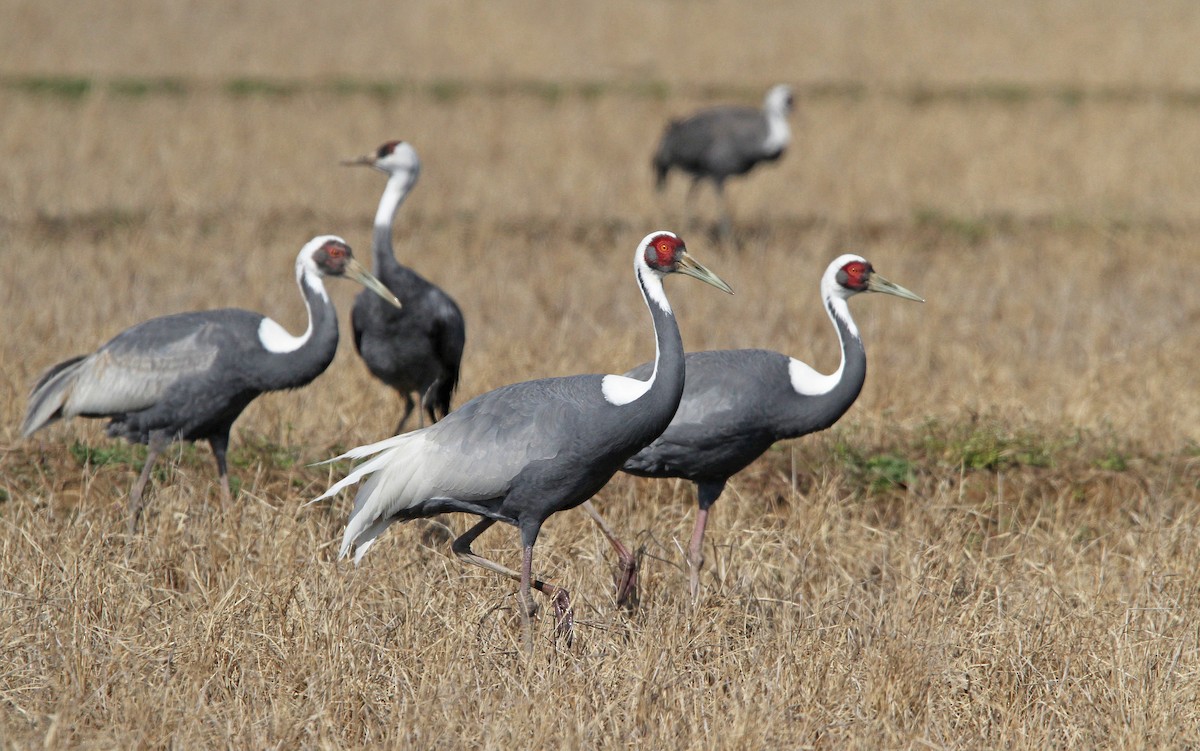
column 693, row 268
column 359, row 273
column 876, row 283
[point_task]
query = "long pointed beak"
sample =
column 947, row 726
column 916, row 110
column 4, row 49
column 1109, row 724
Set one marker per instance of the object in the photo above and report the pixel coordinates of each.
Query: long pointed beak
column 693, row 268
column 876, row 283
column 366, row 160
column 359, row 273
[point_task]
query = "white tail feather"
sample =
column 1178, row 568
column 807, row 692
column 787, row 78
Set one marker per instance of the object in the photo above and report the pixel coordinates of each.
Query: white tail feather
column 396, row 486
column 358, row 452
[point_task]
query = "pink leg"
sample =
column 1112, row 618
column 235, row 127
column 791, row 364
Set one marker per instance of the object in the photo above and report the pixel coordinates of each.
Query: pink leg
column 559, row 596
column 158, row 442
column 627, row 577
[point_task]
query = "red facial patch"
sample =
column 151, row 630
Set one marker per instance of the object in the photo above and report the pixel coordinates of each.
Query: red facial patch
column 332, row 257
column 854, row 275
column 387, row 149
column 662, row 251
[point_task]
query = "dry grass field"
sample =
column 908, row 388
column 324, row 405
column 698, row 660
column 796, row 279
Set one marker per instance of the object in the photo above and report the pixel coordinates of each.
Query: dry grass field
column 995, row 548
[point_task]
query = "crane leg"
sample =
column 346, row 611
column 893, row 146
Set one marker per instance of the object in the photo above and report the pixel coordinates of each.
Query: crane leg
column 429, row 403
column 689, row 202
column 560, row 597
column 158, row 442
column 220, row 445
column 408, row 409
column 627, row 577
column 696, row 553
column 724, row 224
column 707, row 494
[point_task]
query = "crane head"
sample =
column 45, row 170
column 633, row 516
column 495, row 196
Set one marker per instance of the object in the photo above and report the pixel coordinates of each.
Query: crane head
column 665, row 253
column 852, row 274
column 391, row 158
column 779, row 99
column 330, row 256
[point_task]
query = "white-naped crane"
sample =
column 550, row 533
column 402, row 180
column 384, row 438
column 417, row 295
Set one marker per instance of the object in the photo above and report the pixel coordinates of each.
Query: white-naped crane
column 525, row 451
column 737, row 403
column 188, row 376
column 419, row 347
column 721, row 142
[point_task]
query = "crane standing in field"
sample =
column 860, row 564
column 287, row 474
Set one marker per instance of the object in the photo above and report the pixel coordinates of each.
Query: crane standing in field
column 736, row 403
column 525, row 451
column 418, row 347
column 188, row 376
column 721, row 142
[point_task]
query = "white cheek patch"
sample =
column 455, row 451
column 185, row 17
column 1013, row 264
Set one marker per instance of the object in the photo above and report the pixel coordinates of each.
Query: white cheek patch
column 620, row 390
column 275, row 338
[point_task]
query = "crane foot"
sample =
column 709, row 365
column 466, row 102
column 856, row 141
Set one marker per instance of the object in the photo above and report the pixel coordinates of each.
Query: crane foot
column 564, row 616
column 627, row 582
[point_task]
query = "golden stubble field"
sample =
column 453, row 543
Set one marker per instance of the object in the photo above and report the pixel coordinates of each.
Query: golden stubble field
column 994, row 548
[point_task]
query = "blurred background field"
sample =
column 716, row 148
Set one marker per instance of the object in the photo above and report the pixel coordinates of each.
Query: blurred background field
column 995, row 547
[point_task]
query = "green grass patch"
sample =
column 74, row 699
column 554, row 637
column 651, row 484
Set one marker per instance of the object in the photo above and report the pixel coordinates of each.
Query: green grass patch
column 63, row 87
column 971, row 230
column 110, row 453
column 549, row 92
column 990, row 445
column 593, row 89
column 874, row 473
column 256, row 450
column 446, row 90
column 145, row 87
column 378, row 89
column 998, row 92
column 650, row 89
column 262, row 87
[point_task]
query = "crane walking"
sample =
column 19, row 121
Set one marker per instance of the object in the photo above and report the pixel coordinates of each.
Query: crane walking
column 188, row 376
column 417, row 348
column 736, row 403
column 721, row 142
column 525, row 451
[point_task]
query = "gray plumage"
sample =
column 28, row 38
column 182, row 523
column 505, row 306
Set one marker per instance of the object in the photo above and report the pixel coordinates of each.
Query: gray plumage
column 737, row 403
column 722, row 142
column 188, row 376
column 417, row 348
column 525, row 451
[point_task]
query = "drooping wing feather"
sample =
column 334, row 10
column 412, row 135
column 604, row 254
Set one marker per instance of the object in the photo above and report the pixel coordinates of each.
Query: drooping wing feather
column 133, row 370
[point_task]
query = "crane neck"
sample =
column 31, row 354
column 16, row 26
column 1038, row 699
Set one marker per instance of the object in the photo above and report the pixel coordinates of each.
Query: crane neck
column 664, row 387
column 668, row 344
column 398, row 186
column 779, row 133
column 299, row 359
column 851, row 372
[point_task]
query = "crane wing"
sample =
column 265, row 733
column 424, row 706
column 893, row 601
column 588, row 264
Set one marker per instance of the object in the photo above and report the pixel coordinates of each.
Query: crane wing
column 135, row 369
column 727, row 400
column 140, row 364
column 473, row 455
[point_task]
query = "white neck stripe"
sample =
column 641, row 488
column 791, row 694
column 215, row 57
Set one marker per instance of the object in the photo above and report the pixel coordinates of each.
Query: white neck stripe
column 274, row 337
